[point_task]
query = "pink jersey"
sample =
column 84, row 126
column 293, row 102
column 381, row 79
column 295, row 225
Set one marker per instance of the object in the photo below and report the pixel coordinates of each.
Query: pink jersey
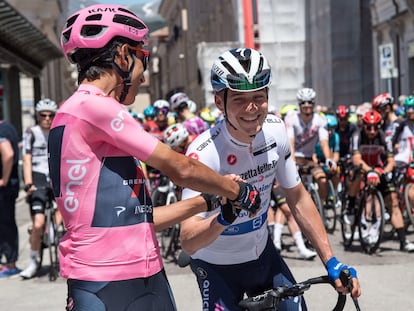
column 94, row 147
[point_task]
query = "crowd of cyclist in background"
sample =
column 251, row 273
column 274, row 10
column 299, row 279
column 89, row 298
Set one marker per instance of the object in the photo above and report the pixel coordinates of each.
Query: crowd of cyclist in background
column 377, row 136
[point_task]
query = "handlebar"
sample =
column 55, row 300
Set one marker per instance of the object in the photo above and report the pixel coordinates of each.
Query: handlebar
column 269, row 299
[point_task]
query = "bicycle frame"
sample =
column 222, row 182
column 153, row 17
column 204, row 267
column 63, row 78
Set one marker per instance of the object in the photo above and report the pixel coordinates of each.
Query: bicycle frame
column 312, row 188
column 370, row 207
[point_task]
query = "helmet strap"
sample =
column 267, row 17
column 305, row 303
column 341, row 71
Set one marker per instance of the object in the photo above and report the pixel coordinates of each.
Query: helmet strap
column 225, row 110
column 126, row 78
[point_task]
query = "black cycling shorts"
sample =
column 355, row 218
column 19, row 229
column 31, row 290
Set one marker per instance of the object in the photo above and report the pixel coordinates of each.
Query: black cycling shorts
column 279, row 196
column 149, row 294
column 223, row 286
column 40, row 196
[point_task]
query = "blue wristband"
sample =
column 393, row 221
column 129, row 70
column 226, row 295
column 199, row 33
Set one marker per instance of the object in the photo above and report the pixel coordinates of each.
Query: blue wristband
column 221, row 220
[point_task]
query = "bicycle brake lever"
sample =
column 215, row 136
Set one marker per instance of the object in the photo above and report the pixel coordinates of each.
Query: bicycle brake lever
column 346, row 279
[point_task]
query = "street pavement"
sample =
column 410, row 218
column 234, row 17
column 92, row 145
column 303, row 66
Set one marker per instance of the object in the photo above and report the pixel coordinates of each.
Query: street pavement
column 386, row 277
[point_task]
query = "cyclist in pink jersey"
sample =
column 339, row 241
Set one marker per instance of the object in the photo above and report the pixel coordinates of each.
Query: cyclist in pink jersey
column 110, row 253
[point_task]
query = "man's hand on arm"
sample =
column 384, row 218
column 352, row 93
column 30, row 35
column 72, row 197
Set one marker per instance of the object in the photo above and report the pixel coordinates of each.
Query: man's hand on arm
column 248, row 198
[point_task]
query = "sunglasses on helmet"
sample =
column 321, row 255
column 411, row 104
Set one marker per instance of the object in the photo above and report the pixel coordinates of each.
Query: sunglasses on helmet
column 239, row 83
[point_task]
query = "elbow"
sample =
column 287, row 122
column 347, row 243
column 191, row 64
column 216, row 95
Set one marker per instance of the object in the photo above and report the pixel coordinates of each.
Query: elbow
column 187, row 248
column 184, row 173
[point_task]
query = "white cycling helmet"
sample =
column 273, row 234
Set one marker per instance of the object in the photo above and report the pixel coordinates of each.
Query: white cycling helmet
column 46, row 105
column 240, row 70
column 161, row 103
column 192, row 106
column 177, row 99
column 306, row 95
column 175, row 134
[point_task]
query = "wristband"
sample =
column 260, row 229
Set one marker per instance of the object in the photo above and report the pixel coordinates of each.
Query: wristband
column 27, row 187
column 207, row 198
column 222, row 221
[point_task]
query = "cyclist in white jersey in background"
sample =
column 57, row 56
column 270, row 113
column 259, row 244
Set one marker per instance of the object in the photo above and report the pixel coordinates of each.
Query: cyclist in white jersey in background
column 36, row 177
column 305, row 129
column 232, row 253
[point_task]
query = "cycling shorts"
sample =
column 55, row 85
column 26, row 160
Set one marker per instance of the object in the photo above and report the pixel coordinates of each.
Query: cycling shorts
column 150, row 294
column 40, row 196
column 279, row 196
column 223, row 286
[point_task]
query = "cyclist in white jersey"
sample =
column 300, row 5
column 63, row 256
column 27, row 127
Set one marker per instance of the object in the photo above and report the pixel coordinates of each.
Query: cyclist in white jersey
column 36, row 177
column 231, row 252
column 403, row 141
column 305, row 129
column 109, row 253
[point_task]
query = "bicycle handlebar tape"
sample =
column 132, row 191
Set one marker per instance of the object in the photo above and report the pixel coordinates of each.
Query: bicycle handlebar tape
column 334, row 268
column 248, row 198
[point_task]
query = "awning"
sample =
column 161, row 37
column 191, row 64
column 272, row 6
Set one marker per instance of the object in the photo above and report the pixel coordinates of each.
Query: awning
column 22, row 44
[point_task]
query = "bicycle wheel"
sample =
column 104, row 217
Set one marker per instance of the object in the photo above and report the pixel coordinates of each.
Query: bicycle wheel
column 372, row 214
column 330, row 209
column 51, row 239
column 170, row 242
column 348, row 223
column 409, row 207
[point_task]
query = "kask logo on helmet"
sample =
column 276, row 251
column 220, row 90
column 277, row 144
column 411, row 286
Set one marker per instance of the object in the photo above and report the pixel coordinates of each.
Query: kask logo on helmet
column 102, row 9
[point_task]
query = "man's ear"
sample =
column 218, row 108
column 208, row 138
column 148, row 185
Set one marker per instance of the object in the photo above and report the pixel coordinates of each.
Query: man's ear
column 122, row 54
column 219, row 102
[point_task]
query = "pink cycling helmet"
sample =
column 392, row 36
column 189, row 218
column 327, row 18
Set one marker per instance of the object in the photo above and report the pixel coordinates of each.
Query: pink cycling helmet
column 95, row 26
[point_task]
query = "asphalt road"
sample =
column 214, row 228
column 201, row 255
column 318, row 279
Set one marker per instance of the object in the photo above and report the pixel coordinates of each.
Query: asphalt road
column 386, row 277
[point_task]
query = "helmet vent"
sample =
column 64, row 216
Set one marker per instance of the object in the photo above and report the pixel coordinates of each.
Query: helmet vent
column 91, row 30
column 125, row 20
column 245, row 64
column 229, row 68
column 94, row 17
column 71, row 20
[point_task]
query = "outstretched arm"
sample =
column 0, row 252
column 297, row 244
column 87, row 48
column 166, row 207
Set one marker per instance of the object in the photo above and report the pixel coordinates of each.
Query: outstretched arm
column 187, row 172
column 309, row 220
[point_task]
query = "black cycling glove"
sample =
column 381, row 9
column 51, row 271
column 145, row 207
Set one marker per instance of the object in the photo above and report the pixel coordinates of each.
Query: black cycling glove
column 228, row 214
column 248, row 198
column 212, row 200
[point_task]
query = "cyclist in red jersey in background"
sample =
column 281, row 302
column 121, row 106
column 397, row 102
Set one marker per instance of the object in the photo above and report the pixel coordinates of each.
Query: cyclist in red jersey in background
column 345, row 130
column 150, row 124
column 374, row 154
column 383, row 103
column 110, row 252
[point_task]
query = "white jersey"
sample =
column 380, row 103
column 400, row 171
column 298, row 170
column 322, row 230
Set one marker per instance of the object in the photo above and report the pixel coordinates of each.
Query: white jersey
column 405, row 145
column 266, row 159
column 35, row 143
column 306, row 136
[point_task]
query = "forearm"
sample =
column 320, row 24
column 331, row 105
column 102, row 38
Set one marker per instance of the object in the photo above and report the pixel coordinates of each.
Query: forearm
column 27, row 169
column 187, row 172
column 7, row 164
column 169, row 215
column 309, row 220
column 7, row 154
column 197, row 232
